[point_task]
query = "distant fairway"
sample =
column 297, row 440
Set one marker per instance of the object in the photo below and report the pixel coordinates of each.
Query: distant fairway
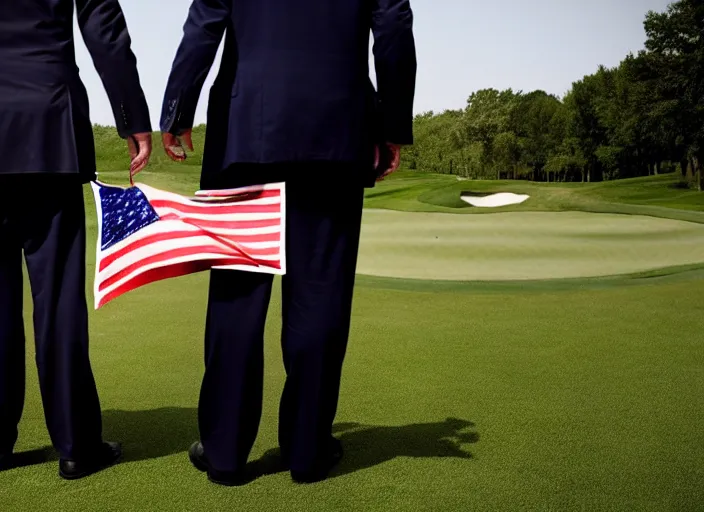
column 523, row 245
column 580, row 394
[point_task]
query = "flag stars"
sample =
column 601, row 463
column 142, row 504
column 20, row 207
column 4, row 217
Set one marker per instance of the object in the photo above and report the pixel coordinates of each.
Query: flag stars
column 125, row 211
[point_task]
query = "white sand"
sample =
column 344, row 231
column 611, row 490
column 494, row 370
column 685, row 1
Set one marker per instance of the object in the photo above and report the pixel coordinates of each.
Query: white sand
column 495, row 200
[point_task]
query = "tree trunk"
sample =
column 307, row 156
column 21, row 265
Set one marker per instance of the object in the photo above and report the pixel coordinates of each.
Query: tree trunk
column 657, row 168
column 690, row 172
column 683, row 166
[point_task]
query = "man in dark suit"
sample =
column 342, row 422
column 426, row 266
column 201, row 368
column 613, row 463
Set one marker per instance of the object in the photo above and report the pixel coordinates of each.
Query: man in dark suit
column 292, row 102
column 46, row 155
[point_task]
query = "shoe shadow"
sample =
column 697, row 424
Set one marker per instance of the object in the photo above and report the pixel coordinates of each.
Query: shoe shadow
column 33, row 457
column 144, row 435
column 366, row 446
column 151, row 434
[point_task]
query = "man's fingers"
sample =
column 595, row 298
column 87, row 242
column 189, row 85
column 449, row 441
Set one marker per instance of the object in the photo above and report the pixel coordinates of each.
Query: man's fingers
column 141, row 160
column 140, row 151
column 396, row 151
column 132, row 147
column 138, row 165
column 395, row 162
column 135, row 170
column 173, row 148
column 186, row 137
column 176, row 152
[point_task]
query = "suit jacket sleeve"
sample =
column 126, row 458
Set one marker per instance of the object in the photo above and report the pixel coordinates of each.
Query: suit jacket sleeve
column 104, row 29
column 202, row 34
column 395, row 62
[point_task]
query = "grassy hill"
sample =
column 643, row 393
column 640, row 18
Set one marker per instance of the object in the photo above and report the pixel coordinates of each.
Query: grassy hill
column 659, row 196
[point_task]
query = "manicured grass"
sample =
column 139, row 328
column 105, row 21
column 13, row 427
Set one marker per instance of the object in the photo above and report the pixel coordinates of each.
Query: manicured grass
column 543, row 395
column 523, row 245
column 541, row 400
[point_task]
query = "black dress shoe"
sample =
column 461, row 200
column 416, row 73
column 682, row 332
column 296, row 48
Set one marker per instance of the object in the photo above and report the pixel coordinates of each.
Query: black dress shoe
column 107, row 455
column 228, row 478
column 322, row 469
column 5, row 462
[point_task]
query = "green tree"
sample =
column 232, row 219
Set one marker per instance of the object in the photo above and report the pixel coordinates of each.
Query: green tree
column 486, row 116
column 538, row 120
column 507, row 153
column 675, row 53
column 584, row 123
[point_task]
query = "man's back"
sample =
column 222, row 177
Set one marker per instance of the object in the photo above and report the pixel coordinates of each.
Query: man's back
column 294, row 80
column 33, row 32
column 45, row 123
column 308, row 39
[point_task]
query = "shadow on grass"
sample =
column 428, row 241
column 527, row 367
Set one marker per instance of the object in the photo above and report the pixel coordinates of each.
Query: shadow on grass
column 151, row 434
column 367, row 446
column 144, row 435
column 167, row 431
column 33, row 457
column 162, row 432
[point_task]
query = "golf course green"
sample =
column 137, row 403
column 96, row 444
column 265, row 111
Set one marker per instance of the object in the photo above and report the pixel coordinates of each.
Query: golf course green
column 542, row 356
column 523, row 245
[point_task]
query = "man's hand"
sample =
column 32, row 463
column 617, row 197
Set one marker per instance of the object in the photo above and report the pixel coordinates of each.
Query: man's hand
column 390, row 162
column 140, row 147
column 173, row 145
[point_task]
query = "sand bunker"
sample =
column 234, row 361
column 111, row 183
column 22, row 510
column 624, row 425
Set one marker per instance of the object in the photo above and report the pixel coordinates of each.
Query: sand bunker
column 495, row 200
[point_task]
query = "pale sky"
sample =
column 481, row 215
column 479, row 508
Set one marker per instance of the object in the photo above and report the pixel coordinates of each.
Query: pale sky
column 463, row 45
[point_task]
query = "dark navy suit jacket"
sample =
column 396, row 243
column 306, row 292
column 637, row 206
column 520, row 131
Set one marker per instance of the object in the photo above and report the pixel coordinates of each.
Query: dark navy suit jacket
column 294, row 80
column 45, row 124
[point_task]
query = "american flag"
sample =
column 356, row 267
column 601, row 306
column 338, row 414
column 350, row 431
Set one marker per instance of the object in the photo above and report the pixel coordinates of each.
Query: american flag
column 147, row 235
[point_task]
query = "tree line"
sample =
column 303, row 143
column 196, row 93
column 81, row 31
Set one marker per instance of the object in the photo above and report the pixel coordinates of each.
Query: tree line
column 643, row 117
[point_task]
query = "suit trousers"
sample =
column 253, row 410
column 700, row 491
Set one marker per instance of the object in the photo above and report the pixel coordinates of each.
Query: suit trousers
column 43, row 216
column 323, row 224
